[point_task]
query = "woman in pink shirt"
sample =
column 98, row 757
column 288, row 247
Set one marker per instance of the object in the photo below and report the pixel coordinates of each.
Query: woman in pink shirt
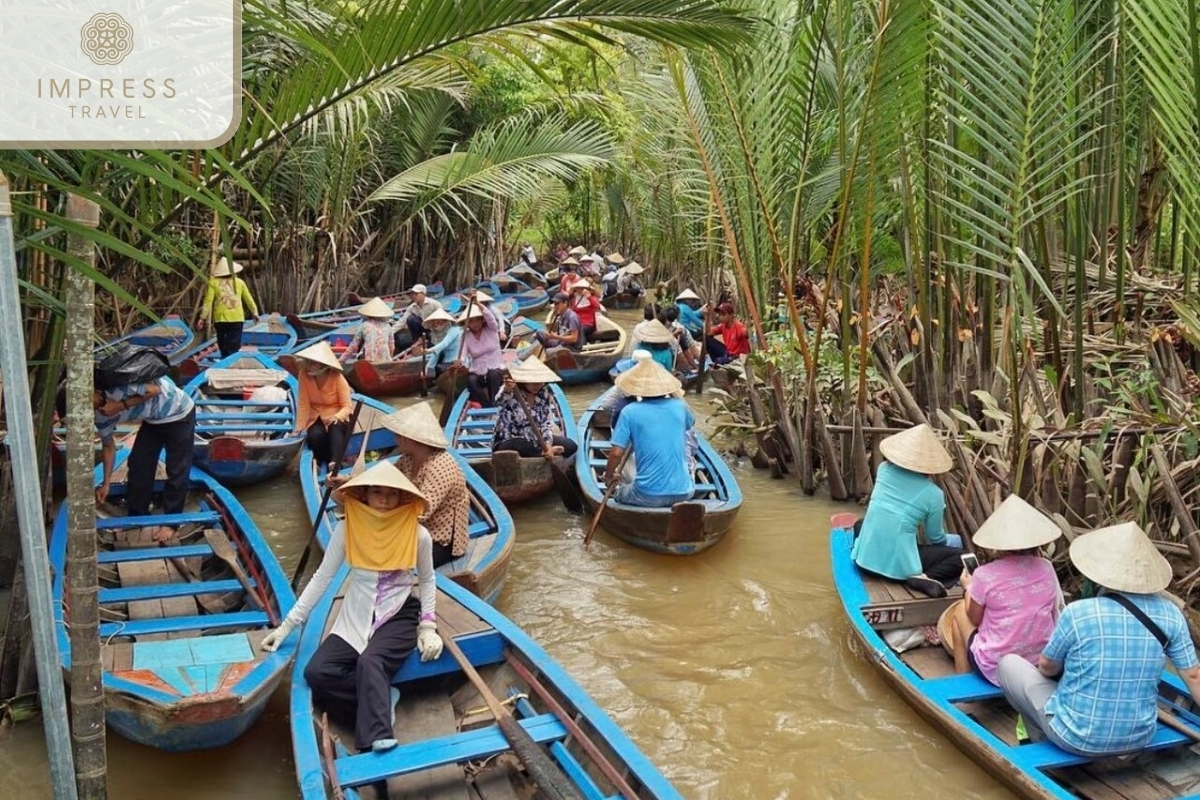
column 481, row 344
column 1010, row 605
column 585, row 304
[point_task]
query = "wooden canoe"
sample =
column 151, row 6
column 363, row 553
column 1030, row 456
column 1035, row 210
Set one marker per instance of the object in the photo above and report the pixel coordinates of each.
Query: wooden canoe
column 314, row 323
column 682, row 529
column 182, row 665
column 171, row 336
column 387, row 378
column 598, row 356
column 484, row 567
column 623, row 300
column 528, row 275
column 240, row 441
column 514, row 479
column 270, row 336
column 975, row 716
column 450, row 745
column 530, row 299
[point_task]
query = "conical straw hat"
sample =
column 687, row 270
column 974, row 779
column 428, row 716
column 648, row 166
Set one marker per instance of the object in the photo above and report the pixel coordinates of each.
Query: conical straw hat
column 221, row 270
column 419, row 423
column 616, row 258
column 577, row 250
column 376, row 309
column 474, row 311
column 482, row 296
column 385, row 473
column 532, row 371
column 570, row 260
column 1016, row 525
column 647, row 379
column 632, row 268
column 321, row 353
column 1121, row 558
column 651, row 331
column 917, row 449
column 439, row 316
column 687, row 294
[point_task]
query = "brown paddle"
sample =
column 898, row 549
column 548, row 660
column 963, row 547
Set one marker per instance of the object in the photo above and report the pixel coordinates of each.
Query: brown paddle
column 612, row 486
column 223, row 548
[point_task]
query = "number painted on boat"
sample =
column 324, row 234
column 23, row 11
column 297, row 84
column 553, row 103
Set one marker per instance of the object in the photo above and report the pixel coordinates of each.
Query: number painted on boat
column 884, row 616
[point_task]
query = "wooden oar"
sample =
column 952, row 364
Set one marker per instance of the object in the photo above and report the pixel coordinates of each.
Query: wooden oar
column 544, row 772
column 612, row 486
column 224, row 550
column 703, row 354
column 570, row 496
column 1172, row 721
column 337, row 464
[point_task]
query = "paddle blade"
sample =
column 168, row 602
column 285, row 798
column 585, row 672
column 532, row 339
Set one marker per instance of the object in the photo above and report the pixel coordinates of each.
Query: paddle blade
column 572, row 500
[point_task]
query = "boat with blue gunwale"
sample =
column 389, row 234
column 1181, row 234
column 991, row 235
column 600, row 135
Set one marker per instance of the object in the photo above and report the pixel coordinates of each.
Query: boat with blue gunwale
column 484, row 567
column 591, row 363
column 514, row 478
column 975, row 716
column 448, row 739
column 682, row 529
column 269, row 335
column 312, row 324
column 528, row 275
column 182, row 664
column 529, row 298
column 245, row 414
column 170, row 336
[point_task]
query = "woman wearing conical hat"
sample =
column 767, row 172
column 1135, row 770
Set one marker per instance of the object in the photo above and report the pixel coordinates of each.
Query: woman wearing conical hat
column 905, row 498
column 376, row 334
column 323, row 409
column 387, row 611
column 1009, row 604
column 227, row 298
column 513, row 432
column 1094, row 690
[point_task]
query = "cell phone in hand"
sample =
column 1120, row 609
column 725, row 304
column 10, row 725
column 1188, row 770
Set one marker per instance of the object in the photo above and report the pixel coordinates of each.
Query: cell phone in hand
column 970, row 562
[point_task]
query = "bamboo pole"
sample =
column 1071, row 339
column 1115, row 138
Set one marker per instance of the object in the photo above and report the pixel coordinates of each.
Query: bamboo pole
column 87, row 691
column 1182, row 513
column 26, row 485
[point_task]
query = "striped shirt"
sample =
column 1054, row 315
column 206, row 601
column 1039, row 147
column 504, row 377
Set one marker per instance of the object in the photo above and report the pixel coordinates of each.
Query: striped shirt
column 171, row 404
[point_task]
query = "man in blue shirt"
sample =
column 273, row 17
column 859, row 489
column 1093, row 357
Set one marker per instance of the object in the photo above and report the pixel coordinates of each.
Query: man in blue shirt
column 691, row 312
column 1094, row 691
column 654, row 426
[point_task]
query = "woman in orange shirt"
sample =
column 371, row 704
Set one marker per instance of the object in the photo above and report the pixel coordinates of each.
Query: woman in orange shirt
column 324, row 408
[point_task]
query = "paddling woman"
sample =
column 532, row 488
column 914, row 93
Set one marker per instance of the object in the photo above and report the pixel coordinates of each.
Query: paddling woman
column 388, row 607
column 904, row 498
column 481, row 344
column 513, row 431
column 324, row 409
column 375, row 337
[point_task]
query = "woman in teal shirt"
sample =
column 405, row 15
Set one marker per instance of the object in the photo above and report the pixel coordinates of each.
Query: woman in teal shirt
column 904, row 498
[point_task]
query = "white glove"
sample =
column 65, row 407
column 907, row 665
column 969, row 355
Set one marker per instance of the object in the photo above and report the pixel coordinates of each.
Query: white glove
column 429, row 644
column 275, row 638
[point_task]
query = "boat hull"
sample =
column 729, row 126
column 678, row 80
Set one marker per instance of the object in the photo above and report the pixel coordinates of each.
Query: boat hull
column 387, row 378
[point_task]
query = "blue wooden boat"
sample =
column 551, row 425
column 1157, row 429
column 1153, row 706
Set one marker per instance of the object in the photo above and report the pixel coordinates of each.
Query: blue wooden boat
column 684, row 528
column 514, row 479
column 592, row 362
column 484, row 567
column 502, row 285
column 182, row 664
column 449, row 742
column 241, row 440
column 975, row 716
column 528, row 275
column 270, row 336
column 171, row 336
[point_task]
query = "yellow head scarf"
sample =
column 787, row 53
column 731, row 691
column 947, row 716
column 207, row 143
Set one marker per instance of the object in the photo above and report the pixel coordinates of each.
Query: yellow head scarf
column 381, row 540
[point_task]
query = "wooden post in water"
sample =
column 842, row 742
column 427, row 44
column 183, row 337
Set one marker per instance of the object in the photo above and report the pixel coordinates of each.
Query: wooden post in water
column 87, row 690
column 26, row 485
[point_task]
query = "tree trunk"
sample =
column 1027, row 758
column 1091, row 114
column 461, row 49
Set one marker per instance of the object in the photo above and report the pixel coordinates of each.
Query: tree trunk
column 87, row 693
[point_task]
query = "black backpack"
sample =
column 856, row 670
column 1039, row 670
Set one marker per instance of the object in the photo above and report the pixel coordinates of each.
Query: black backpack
column 129, row 363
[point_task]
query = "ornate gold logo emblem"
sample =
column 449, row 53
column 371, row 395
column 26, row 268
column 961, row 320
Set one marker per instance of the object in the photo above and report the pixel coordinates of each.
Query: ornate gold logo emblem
column 106, row 39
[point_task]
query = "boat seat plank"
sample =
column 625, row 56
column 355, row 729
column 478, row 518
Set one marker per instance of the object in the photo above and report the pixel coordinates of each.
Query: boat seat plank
column 418, row 718
column 158, row 591
column 1044, row 755
column 156, row 520
column 212, row 401
column 154, row 553
column 356, row 770
column 478, row 423
column 243, row 414
column 964, row 688
column 476, row 529
column 475, row 437
column 704, row 487
column 237, row 619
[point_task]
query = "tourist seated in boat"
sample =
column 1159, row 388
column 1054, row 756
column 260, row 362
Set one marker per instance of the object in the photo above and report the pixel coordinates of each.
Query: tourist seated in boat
column 1009, row 604
column 568, row 273
column 421, row 307
column 168, row 424
column 691, row 312
column 1094, row 690
column 565, row 329
column 375, row 337
column 585, row 303
column 227, row 300
column 323, row 408
column 590, row 265
column 627, row 282
column 481, row 346
column 728, row 339
column 688, row 358
column 654, row 337
column 485, row 300
column 526, row 394
column 388, row 608
column 444, row 339
column 609, row 280
column 654, row 427
column 905, row 498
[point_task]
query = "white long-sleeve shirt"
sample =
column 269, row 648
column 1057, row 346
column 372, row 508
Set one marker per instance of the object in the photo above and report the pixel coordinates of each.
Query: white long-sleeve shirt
column 372, row 597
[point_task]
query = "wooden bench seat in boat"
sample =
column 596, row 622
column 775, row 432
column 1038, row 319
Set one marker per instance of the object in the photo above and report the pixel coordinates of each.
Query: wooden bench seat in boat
column 143, row 627
column 156, row 520
column 158, row 591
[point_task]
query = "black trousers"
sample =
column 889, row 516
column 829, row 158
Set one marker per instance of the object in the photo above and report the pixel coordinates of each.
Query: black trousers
column 326, row 443
column 416, row 326
column 529, row 448
column 229, row 337
column 716, row 351
column 178, row 439
column 353, row 687
column 484, row 388
column 941, row 562
column 442, row 554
